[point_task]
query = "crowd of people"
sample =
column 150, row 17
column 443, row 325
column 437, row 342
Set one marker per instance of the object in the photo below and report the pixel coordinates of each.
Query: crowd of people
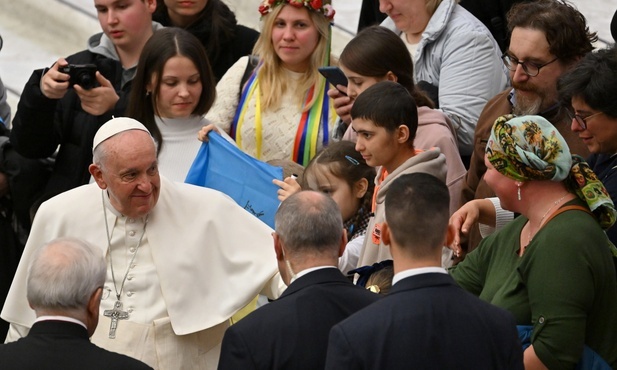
column 450, row 206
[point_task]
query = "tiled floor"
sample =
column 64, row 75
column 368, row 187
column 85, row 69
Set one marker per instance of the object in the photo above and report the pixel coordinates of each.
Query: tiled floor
column 37, row 32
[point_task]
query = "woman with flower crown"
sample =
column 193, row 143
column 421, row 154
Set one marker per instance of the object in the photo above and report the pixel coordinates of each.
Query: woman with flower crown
column 282, row 111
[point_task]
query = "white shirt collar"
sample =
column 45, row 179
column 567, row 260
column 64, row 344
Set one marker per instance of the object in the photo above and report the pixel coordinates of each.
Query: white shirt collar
column 304, row 272
column 412, row 272
column 60, row 318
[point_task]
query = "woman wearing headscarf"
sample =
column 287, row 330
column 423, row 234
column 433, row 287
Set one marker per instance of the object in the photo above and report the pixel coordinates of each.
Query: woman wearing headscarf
column 551, row 267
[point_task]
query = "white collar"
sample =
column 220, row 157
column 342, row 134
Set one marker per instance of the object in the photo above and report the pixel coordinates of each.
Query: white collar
column 304, row 272
column 60, row 318
column 417, row 271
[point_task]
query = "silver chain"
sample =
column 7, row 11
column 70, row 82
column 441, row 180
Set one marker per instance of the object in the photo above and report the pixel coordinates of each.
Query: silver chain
column 111, row 264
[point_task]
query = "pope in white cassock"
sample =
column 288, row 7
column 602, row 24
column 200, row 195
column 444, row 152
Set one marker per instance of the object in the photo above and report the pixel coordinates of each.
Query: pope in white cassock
column 181, row 259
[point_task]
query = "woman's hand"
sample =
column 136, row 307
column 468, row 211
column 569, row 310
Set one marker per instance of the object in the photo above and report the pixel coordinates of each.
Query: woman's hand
column 342, row 103
column 202, row 135
column 287, row 188
column 477, row 210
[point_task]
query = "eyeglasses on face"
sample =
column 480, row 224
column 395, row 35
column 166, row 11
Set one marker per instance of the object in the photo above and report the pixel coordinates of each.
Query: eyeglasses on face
column 582, row 121
column 531, row 69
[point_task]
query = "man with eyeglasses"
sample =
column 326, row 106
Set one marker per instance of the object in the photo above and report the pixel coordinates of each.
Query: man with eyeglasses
column 547, row 38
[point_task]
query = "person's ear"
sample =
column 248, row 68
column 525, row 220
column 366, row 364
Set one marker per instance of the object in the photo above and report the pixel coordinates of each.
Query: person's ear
column 390, row 76
column 402, row 134
column 97, row 175
column 385, row 233
column 343, row 243
column 150, row 86
column 95, row 300
column 278, row 248
column 150, row 5
column 92, row 308
column 360, row 188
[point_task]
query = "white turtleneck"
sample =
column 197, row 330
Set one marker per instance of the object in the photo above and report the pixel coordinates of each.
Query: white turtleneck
column 180, row 145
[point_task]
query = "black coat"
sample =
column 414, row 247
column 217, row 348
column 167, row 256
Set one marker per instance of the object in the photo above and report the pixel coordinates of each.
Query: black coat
column 426, row 322
column 61, row 345
column 292, row 332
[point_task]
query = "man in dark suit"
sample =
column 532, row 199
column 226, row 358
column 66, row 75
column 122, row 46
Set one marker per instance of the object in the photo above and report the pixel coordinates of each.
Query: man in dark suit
column 292, row 332
column 64, row 287
column 427, row 321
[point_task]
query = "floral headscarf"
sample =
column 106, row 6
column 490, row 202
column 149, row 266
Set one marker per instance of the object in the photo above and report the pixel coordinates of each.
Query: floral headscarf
column 530, row 148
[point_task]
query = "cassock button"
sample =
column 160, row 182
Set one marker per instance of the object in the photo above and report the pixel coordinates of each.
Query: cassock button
column 130, row 220
column 131, row 310
column 129, row 294
column 132, row 233
column 130, row 277
column 132, row 249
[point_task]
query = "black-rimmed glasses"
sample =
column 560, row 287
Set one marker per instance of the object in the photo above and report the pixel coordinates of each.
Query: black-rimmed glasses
column 531, row 69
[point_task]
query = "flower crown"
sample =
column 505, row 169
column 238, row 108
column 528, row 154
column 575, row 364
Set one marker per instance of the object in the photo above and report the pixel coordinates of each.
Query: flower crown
column 315, row 5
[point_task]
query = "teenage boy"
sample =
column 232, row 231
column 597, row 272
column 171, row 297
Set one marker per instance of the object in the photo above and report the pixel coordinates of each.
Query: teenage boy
column 54, row 115
column 385, row 118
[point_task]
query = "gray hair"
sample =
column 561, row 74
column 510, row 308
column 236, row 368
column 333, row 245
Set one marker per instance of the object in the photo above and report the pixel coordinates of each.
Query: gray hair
column 309, row 222
column 64, row 273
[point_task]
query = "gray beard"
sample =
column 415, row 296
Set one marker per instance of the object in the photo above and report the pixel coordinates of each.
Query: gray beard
column 527, row 106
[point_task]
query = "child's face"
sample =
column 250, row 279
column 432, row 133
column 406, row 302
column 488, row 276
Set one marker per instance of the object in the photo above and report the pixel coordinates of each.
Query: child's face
column 348, row 199
column 377, row 146
column 356, row 83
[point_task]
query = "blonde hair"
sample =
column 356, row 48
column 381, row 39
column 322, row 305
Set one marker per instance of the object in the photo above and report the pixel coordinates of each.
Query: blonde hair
column 380, row 281
column 272, row 83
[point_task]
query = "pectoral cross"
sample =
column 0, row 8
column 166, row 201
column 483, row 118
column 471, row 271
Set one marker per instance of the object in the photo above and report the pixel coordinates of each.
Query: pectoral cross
column 115, row 314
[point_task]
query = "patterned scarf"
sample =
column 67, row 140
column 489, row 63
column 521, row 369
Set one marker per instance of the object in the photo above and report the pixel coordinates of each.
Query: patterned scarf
column 530, row 148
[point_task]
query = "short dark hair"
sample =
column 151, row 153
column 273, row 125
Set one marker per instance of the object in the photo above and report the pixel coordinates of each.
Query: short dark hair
column 387, row 104
column 417, row 211
column 309, row 222
column 563, row 25
column 163, row 45
column 594, row 80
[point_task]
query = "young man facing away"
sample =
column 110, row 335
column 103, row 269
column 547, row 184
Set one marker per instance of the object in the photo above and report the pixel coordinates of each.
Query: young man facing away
column 385, row 118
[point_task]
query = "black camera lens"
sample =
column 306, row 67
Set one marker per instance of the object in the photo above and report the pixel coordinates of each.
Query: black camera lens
column 85, row 80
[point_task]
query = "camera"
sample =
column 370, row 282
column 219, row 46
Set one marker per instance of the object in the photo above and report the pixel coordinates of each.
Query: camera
column 83, row 75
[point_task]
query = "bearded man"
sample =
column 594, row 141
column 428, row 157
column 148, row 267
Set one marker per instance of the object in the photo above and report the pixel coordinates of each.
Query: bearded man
column 547, row 39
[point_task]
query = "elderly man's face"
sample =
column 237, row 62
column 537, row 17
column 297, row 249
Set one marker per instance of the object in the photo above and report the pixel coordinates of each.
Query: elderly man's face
column 130, row 173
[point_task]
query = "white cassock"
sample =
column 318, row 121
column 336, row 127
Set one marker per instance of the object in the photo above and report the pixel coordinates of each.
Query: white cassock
column 202, row 259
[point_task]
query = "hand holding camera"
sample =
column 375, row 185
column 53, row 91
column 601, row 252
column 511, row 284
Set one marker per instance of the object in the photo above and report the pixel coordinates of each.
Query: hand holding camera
column 83, row 75
column 96, row 93
column 54, row 82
